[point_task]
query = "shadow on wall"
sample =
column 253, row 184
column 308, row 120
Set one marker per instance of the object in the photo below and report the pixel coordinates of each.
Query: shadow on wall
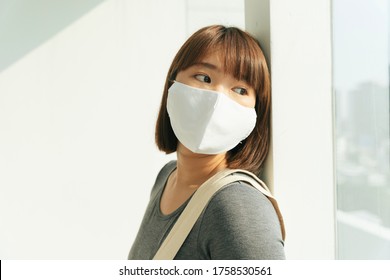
column 26, row 24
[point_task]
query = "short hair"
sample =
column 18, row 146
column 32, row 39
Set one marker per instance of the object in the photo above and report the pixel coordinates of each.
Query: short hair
column 244, row 59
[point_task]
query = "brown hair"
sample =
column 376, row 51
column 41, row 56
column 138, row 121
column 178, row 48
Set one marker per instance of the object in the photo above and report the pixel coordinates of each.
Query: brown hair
column 244, row 60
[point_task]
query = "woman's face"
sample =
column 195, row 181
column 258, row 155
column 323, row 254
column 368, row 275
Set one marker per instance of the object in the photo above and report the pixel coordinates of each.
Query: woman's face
column 209, row 74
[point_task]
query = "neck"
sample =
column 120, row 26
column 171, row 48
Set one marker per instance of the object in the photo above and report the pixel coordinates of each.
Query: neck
column 194, row 169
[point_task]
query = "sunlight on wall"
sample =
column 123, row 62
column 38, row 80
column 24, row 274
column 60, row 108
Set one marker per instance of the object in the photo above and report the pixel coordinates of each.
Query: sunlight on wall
column 77, row 115
column 76, row 123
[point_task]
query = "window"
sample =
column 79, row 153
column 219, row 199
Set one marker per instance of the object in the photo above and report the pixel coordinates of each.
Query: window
column 361, row 52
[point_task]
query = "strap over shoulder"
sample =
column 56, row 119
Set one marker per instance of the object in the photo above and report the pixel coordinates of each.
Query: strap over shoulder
column 198, row 202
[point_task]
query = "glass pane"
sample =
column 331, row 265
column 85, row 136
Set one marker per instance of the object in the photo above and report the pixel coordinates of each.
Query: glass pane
column 361, row 62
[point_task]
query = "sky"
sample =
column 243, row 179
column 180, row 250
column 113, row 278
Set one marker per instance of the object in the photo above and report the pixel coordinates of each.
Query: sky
column 360, row 42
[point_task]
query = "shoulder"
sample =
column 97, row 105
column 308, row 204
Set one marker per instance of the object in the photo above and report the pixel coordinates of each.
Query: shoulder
column 163, row 176
column 246, row 220
column 168, row 167
column 240, row 200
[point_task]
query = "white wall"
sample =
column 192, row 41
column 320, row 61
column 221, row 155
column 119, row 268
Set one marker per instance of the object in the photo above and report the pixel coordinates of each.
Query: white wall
column 303, row 125
column 77, row 112
column 80, row 87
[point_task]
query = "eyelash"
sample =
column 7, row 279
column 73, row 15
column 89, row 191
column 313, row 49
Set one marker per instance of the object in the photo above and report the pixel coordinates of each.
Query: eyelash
column 203, row 75
column 197, row 76
column 244, row 93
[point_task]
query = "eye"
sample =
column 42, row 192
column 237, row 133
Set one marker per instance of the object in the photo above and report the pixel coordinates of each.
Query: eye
column 240, row 91
column 203, row 78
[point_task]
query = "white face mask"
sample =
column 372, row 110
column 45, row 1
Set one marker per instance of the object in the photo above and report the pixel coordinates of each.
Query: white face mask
column 208, row 122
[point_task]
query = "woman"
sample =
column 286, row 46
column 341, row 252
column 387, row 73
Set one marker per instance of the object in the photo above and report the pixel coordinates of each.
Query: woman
column 215, row 114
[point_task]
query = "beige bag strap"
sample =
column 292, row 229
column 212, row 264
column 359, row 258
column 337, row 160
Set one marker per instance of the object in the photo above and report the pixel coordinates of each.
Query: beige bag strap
column 197, row 204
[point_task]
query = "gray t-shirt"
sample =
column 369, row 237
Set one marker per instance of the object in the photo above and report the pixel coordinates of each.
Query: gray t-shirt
column 238, row 223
